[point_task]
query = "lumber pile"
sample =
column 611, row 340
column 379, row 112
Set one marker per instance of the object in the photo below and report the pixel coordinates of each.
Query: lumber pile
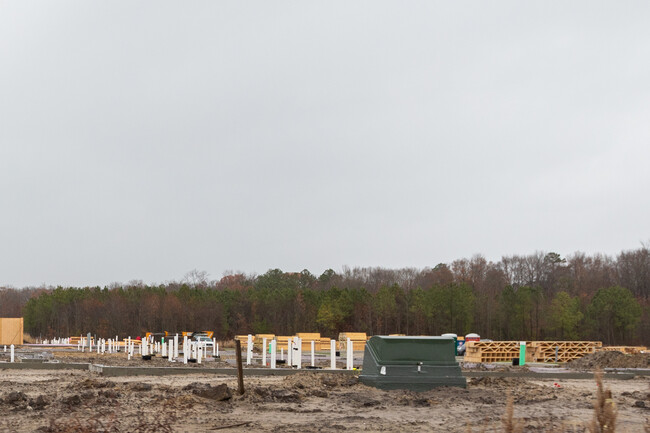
column 358, row 340
column 306, row 338
column 544, row 351
column 491, row 351
column 282, row 341
column 244, row 338
column 628, row 350
column 536, row 351
column 258, row 339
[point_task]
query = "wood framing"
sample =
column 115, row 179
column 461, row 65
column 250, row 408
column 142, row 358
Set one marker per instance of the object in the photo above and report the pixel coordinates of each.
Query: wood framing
column 629, row 350
column 491, row 351
column 545, row 351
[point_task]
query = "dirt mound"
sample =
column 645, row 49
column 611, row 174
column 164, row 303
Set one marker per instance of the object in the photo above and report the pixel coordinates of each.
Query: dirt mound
column 610, row 359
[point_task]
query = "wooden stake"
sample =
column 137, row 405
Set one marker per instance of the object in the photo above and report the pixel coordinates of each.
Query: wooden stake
column 240, row 368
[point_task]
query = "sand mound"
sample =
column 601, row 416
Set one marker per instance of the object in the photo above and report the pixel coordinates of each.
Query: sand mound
column 611, row 359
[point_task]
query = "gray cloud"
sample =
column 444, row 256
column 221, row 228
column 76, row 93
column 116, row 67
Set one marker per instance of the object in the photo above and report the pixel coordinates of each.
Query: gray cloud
column 141, row 140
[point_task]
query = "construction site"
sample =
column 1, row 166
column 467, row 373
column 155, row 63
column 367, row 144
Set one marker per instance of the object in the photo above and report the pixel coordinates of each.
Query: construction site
column 307, row 382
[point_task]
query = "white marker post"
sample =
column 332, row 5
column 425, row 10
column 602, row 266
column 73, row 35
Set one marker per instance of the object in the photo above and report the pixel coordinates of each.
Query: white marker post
column 11, row 353
column 273, row 354
column 350, row 355
column 170, row 354
column 198, row 355
column 313, row 344
column 290, row 352
column 264, row 351
column 299, row 355
column 333, row 354
column 215, row 348
column 176, row 346
column 249, row 350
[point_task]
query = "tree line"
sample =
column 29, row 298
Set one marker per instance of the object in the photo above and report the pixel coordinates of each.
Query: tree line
column 530, row 297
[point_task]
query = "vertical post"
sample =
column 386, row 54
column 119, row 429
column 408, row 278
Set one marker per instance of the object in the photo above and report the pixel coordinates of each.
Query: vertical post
column 312, row 352
column 214, row 347
column 170, row 354
column 90, row 343
column 217, row 349
column 11, row 354
column 522, row 352
column 273, row 353
column 264, row 351
column 198, row 355
column 333, row 354
column 176, row 346
column 240, row 369
column 350, row 355
column 290, row 352
column 282, row 353
column 299, row 354
column 249, row 349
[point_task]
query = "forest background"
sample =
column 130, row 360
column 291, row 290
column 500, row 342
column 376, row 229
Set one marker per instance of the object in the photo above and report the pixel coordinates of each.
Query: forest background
column 540, row 296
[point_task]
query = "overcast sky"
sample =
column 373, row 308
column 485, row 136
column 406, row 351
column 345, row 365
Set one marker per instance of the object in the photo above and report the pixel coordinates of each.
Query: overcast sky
column 141, row 140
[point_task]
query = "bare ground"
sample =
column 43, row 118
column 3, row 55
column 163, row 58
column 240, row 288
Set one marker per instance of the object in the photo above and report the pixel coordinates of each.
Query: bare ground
column 58, row 401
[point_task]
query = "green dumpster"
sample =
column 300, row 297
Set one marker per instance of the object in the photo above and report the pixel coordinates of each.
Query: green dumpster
column 413, row 363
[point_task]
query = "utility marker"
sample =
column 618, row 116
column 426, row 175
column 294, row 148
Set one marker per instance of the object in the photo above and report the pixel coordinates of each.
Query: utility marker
column 249, row 350
column 313, row 344
column 273, row 353
column 350, row 355
column 333, row 354
column 264, row 351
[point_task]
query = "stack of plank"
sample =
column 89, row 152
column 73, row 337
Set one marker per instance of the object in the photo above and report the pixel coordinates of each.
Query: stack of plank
column 244, row 338
column 545, row 351
column 282, row 341
column 307, row 337
column 491, row 351
column 629, row 350
column 258, row 340
column 358, row 340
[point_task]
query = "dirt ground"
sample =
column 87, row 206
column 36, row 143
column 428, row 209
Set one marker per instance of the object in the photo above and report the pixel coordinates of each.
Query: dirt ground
column 63, row 401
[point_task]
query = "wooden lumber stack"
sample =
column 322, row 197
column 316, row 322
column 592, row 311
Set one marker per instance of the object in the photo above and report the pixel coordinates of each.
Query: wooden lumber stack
column 544, row 351
column 491, row 351
column 628, row 350
column 325, row 343
column 258, row 340
column 282, row 341
column 244, row 338
column 358, row 340
column 306, row 338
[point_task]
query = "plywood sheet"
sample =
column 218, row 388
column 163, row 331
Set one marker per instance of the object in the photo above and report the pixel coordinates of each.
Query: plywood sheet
column 11, row 331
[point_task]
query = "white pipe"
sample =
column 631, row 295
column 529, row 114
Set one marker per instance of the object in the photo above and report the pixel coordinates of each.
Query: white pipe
column 11, row 355
column 299, row 357
column 249, row 350
column 264, row 351
column 350, row 354
column 312, row 352
column 333, row 354
column 273, row 354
